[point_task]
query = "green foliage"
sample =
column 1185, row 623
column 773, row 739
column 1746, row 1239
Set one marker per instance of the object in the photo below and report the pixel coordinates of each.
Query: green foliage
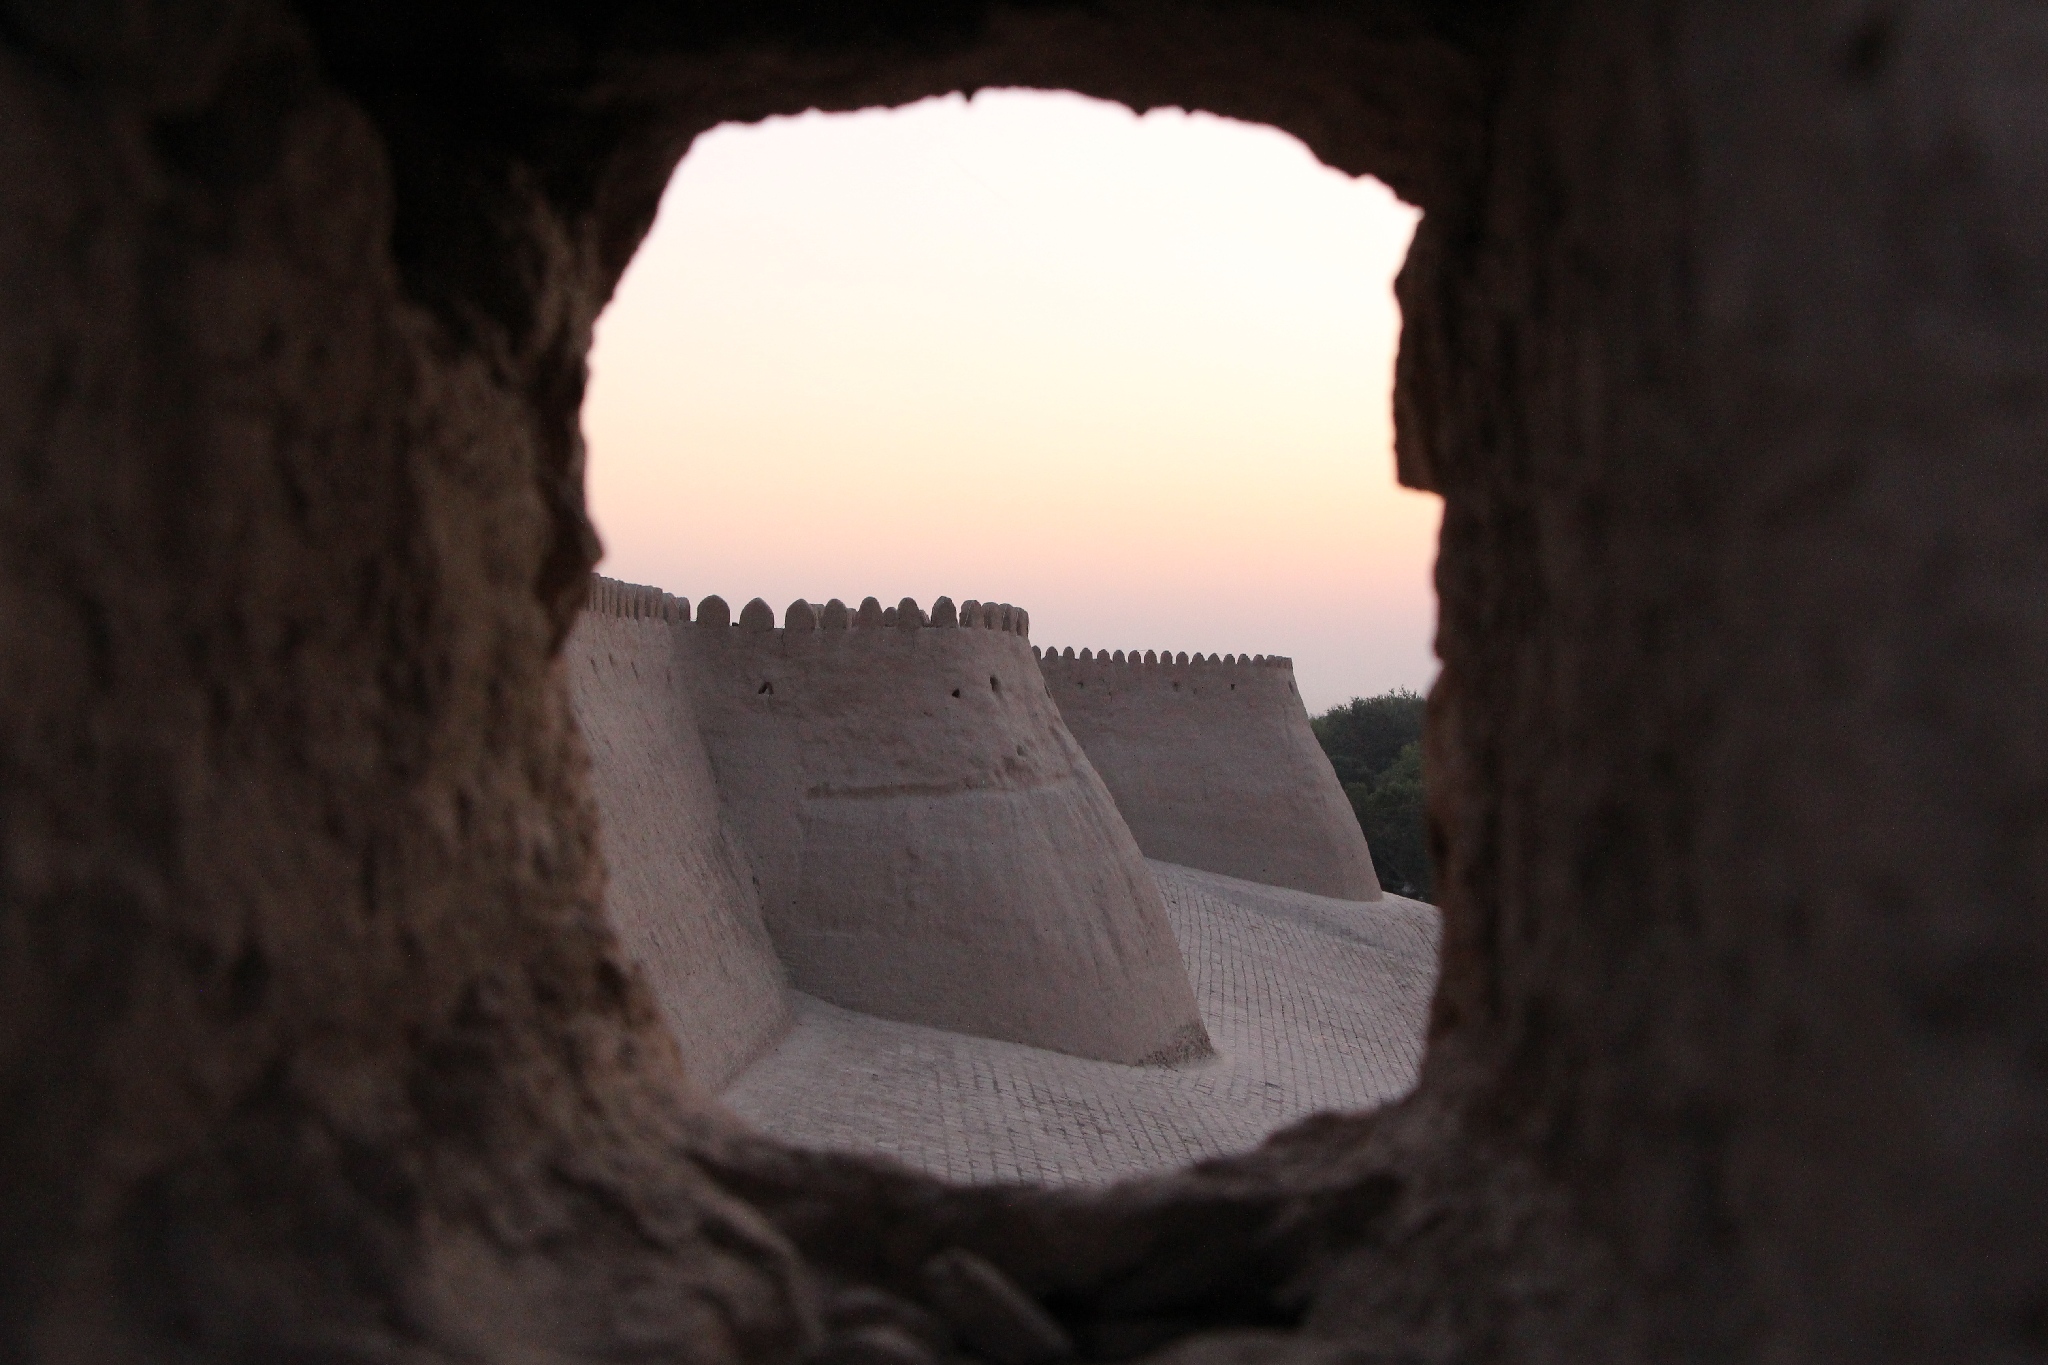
column 1375, row 744
column 1390, row 813
column 1365, row 736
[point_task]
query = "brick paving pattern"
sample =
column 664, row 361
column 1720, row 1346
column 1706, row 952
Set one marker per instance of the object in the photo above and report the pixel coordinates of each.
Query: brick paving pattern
column 1313, row 1004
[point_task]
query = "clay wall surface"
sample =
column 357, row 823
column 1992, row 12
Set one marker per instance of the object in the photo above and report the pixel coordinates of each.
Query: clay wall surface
column 1213, row 765
column 932, row 844
column 679, row 892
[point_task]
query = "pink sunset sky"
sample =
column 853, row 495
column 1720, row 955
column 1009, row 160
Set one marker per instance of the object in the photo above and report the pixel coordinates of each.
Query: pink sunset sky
column 1131, row 373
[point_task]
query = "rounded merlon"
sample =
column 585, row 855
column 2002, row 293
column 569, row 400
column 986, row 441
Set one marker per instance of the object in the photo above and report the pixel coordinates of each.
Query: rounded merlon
column 800, row 617
column 870, row 615
column 944, row 613
column 970, row 615
column 909, row 617
column 713, row 611
column 835, row 616
column 757, row 616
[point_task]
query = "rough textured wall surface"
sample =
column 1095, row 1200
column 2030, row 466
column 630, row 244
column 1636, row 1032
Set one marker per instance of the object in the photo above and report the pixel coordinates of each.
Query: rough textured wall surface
column 932, row 844
column 1723, row 334
column 314, row 1043
column 679, row 891
column 1731, row 384
column 1213, row 765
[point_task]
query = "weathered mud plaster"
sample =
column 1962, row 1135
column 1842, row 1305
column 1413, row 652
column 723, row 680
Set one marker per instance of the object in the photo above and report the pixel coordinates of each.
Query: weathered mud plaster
column 679, row 888
column 931, row 844
column 1213, row 765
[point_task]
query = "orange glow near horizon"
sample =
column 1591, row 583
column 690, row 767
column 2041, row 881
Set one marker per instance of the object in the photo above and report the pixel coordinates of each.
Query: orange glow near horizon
column 1131, row 373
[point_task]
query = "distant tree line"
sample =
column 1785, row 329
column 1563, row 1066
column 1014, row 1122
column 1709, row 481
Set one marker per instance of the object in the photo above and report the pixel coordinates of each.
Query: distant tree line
column 1375, row 744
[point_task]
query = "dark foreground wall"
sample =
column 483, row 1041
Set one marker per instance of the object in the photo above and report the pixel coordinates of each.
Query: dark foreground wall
column 1213, row 764
column 1723, row 338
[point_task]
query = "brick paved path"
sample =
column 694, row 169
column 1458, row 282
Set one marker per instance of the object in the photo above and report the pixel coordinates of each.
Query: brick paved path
column 1312, row 1003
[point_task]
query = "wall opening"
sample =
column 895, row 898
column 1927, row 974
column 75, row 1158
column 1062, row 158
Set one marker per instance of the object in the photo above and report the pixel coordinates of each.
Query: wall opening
column 1130, row 372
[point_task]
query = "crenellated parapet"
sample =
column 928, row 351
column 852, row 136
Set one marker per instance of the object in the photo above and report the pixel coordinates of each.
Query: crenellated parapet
column 634, row 601
column 1164, row 658
column 610, row 597
column 803, row 617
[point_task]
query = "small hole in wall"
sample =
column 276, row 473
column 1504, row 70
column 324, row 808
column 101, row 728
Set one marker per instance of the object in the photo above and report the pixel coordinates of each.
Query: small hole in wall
column 1176, row 687
column 766, row 689
column 956, row 691
column 1020, row 751
column 994, row 685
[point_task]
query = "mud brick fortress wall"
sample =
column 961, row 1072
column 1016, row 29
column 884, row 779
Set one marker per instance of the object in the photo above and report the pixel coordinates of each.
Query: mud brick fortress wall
column 897, row 808
column 932, row 844
column 1213, row 765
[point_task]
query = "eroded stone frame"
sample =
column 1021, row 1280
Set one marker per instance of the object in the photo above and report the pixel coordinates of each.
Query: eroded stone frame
column 1724, row 328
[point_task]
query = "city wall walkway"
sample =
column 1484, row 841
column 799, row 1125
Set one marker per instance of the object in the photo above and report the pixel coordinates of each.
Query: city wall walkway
column 1312, row 1003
